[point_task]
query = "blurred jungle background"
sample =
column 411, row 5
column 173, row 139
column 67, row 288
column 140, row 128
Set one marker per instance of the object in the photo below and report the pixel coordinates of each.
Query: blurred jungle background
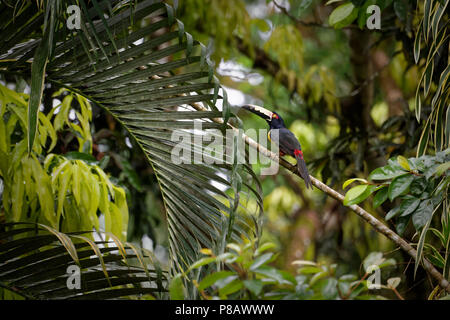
column 354, row 96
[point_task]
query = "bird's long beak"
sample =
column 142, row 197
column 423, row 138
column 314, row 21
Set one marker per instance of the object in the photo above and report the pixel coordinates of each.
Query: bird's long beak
column 260, row 111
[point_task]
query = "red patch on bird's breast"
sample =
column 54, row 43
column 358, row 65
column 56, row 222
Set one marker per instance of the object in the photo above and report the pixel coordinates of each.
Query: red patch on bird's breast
column 298, row 153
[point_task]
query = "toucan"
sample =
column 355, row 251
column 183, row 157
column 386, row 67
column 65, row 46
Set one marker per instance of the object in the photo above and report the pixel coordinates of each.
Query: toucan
column 287, row 142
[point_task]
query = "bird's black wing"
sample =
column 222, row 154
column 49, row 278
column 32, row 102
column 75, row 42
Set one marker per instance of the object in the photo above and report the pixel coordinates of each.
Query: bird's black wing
column 289, row 144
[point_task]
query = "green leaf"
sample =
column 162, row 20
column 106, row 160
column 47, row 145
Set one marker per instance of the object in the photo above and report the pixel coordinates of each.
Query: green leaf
column 264, row 247
column 386, row 172
column 272, row 273
column 176, row 288
column 223, row 282
column 357, row 194
column 259, row 261
column 231, row 287
column 402, row 223
column 254, row 286
column 422, row 214
column 442, row 168
column 310, row 270
column 332, row 1
column 417, row 43
column 212, row 278
column 380, row 197
column 37, row 86
column 373, row 259
column 399, row 185
column 408, row 206
column 329, row 289
column 421, row 243
column 347, row 182
column 418, row 186
column 63, row 188
column 202, row 262
column 343, row 15
column 76, row 180
column 392, row 213
column 403, row 162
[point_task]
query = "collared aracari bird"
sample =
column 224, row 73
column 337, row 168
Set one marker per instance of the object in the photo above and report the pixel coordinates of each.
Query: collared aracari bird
column 287, row 141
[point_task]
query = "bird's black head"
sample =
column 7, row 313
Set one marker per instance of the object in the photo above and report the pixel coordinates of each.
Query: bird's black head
column 272, row 118
column 276, row 122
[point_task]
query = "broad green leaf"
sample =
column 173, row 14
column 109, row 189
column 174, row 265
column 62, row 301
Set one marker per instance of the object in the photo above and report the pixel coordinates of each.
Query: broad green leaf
column 387, row 263
column 403, row 162
column 272, row 273
column 385, row 173
column 254, row 286
column 399, row 185
column 202, row 262
column 401, row 224
column 347, row 182
column 392, row 213
column 329, row 289
column 418, row 186
column 116, row 221
column 231, row 288
column 380, row 197
column 422, row 214
column 357, row 194
column 310, row 270
column 259, row 261
column 442, row 168
column 121, row 203
column 234, row 247
column 304, row 263
column 317, row 277
column 408, row 206
column 176, row 288
column 264, row 247
column 212, row 278
column 343, row 15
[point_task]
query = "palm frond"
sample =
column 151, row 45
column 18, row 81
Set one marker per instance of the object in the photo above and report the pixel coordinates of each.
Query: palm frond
column 149, row 78
column 35, row 263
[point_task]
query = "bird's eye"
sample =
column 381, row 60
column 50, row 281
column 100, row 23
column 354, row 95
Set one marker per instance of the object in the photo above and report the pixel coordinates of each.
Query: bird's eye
column 275, row 116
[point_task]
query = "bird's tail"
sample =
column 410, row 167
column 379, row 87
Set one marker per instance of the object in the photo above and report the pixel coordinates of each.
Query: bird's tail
column 301, row 166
